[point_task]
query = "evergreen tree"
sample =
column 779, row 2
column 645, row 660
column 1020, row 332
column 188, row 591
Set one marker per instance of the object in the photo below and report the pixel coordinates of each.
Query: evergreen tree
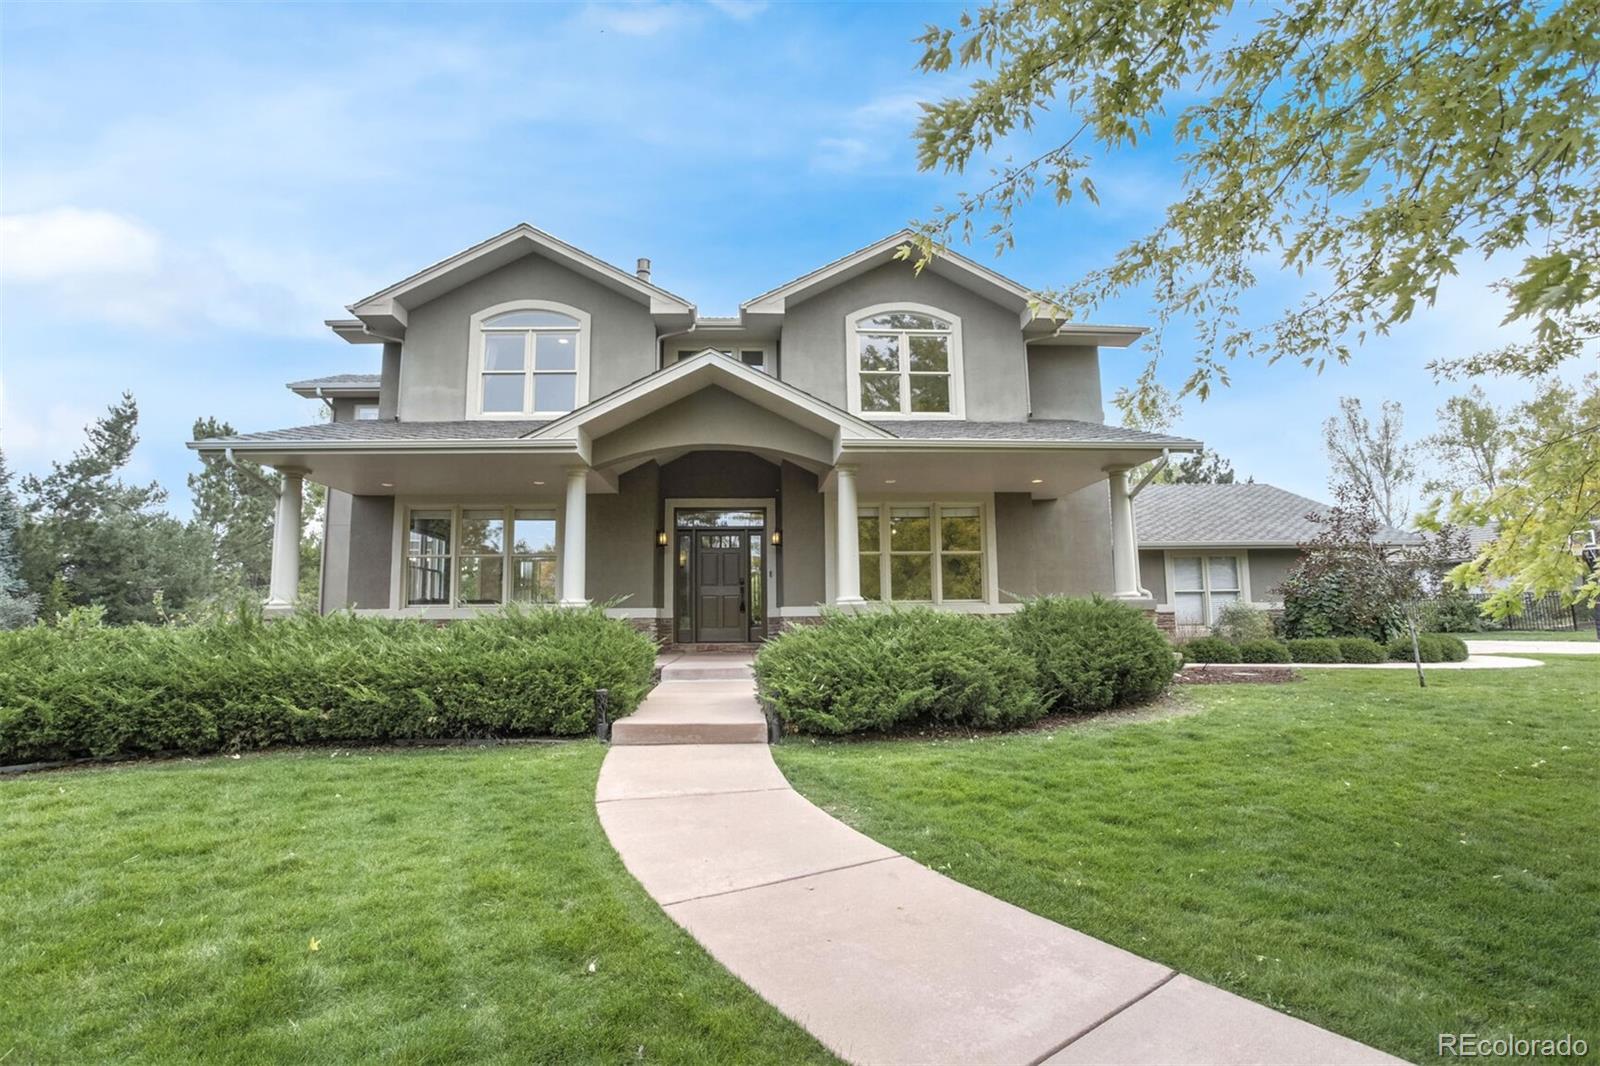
column 234, row 504
column 18, row 606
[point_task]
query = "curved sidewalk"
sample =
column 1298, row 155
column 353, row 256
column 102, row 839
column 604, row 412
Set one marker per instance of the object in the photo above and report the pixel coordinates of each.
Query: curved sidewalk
column 880, row 958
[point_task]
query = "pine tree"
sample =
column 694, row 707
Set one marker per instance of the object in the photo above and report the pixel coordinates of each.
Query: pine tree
column 18, row 606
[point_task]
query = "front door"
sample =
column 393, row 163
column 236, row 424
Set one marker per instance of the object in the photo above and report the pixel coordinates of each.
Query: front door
column 722, row 576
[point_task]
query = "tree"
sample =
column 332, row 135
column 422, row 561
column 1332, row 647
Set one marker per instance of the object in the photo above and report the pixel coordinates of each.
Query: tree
column 1543, row 495
column 1373, row 461
column 1349, row 582
column 1471, row 444
column 1152, row 407
column 1370, row 144
column 18, row 606
column 1201, row 468
column 234, row 503
column 105, row 540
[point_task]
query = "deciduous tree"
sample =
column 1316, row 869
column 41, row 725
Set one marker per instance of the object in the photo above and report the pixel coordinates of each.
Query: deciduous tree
column 1372, row 461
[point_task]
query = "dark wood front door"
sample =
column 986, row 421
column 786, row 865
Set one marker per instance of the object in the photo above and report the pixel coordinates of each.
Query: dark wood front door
column 722, row 579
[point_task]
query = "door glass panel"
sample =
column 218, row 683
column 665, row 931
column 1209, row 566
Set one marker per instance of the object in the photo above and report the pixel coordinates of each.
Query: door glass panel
column 757, row 602
column 714, row 541
column 684, row 590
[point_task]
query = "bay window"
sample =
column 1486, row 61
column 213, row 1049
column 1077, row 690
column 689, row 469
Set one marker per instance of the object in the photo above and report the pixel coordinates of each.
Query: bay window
column 921, row 552
column 462, row 556
column 1202, row 585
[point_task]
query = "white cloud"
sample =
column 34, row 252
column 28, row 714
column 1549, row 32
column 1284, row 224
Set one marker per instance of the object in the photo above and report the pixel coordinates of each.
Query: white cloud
column 636, row 20
column 70, row 243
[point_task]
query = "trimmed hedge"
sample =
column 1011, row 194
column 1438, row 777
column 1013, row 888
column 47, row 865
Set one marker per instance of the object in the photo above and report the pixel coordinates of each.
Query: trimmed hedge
column 1433, row 648
column 1360, row 650
column 1315, row 650
column 898, row 669
column 87, row 690
column 1211, row 650
column 1092, row 654
column 1263, row 651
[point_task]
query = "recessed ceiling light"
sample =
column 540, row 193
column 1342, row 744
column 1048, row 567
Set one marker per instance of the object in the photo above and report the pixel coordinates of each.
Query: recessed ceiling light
column 888, row 481
column 1038, row 481
column 387, row 484
column 538, row 483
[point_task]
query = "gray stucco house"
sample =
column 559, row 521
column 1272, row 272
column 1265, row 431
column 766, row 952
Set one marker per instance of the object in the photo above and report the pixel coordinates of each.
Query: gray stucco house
column 549, row 427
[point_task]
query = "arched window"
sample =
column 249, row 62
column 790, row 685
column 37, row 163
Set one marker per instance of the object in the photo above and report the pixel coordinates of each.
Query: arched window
column 529, row 359
column 905, row 362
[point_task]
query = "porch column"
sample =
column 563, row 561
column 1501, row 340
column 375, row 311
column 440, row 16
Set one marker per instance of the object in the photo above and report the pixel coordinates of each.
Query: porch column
column 285, row 582
column 574, row 557
column 849, row 537
column 1124, row 543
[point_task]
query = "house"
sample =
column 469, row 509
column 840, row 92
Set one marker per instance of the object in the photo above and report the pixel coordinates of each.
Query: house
column 549, row 427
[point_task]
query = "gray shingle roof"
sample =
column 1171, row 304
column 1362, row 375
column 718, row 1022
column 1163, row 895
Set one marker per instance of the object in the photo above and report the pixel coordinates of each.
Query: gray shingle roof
column 340, row 381
column 1199, row 515
column 1043, row 429
column 476, row 429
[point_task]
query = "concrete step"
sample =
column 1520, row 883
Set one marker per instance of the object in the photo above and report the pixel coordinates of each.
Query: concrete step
column 628, row 731
column 707, row 672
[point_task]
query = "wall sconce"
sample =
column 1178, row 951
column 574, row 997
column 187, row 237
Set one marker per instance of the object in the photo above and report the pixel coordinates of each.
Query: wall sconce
column 777, row 538
column 661, row 538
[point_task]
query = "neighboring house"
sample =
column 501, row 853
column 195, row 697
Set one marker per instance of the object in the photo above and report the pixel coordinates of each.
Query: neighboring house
column 548, row 427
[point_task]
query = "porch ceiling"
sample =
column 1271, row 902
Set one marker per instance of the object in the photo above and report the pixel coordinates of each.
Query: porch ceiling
column 479, row 471
column 1042, row 472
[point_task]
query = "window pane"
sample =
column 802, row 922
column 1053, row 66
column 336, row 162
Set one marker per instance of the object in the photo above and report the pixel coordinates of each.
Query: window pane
column 880, row 352
column 962, row 576
column 428, row 580
column 757, row 594
column 502, row 392
column 1187, row 609
column 904, row 320
column 533, row 531
column 959, row 529
column 1219, row 600
column 483, row 532
column 503, row 351
column 880, row 392
column 366, row 412
column 867, row 525
column 555, row 392
column 720, row 519
column 1224, row 572
column 911, row 577
column 930, row 393
column 871, row 577
column 531, row 318
column 555, row 351
column 1186, row 574
column 930, row 353
column 533, row 580
column 482, row 579
column 430, row 533
column 754, row 358
column 909, row 529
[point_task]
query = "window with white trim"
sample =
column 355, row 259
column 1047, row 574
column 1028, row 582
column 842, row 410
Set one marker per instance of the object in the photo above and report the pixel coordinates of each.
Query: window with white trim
column 463, row 557
column 366, row 412
column 528, row 362
column 905, row 362
column 1202, row 585
column 921, row 552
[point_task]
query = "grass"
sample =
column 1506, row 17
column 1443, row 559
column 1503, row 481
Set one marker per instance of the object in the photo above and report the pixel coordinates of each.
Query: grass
column 1388, row 862
column 426, row 906
column 1531, row 634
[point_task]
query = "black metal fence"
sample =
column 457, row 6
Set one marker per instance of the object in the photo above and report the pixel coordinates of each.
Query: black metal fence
column 1545, row 613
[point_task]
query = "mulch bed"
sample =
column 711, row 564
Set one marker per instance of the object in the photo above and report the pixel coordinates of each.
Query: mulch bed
column 1236, row 674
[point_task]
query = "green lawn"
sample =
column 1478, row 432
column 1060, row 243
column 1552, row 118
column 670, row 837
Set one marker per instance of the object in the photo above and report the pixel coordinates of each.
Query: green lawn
column 465, row 905
column 1385, row 861
column 1532, row 634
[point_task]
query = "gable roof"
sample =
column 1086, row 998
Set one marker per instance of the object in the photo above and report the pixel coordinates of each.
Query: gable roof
column 1247, row 515
column 953, row 266
column 337, row 385
column 384, row 312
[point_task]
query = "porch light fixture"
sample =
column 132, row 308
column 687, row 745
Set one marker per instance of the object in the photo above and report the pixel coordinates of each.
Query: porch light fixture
column 661, row 538
column 777, row 538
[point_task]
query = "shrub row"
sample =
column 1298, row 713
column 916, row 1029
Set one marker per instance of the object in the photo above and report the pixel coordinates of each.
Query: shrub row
column 902, row 669
column 1319, row 650
column 1431, row 648
column 77, row 690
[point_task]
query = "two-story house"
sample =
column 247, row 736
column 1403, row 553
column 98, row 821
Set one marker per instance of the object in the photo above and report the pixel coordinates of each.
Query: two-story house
column 549, row 427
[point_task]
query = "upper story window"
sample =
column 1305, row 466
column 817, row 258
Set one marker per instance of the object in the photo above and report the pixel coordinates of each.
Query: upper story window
column 529, row 359
column 366, row 412
column 754, row 358
column 905, row 362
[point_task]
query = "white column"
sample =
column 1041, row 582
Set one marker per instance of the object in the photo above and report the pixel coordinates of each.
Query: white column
column 285, row 583
column 575, row 539
column 1124, row 543
column 849, row 536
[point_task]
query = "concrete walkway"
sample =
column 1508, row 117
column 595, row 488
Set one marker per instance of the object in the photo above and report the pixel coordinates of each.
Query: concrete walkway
column 1474, row 661
column 1533, row 647
column 880, row 958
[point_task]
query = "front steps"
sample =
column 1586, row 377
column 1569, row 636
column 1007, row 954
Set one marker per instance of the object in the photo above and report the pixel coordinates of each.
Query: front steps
column 707, row 666
column 705, row 698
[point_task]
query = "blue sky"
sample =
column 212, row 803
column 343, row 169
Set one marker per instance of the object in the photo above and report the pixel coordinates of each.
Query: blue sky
column 189, row 190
